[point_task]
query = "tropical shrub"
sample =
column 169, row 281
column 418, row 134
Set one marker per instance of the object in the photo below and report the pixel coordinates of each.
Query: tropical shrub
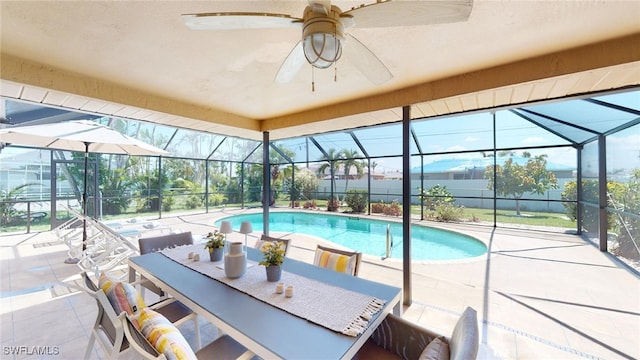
column 629, row 200
column 168, row 200
column 306, row 184
column 217, row 199
column 357, row 200
column 115, row 186
column 393, row 209
column 193, row 201
column 620, row 196
column 378, row 208
column 148, row 185
column 448, row 212
column 590, row 193
column 310, row 205
column 435, row 196
column 333, row 205
column 8, row 213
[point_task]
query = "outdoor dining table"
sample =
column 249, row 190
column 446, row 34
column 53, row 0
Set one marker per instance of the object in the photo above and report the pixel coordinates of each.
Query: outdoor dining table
column 264, row 329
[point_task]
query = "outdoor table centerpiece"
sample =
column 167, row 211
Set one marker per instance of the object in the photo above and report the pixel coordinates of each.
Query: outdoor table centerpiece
column 273, row 253
column 215, row 245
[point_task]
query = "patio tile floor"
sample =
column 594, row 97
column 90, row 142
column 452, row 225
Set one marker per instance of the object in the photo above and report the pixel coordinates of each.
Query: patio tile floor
column 539, row 295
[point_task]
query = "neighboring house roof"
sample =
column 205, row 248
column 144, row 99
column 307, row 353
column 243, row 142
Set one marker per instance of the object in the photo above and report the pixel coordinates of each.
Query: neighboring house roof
column 462, row 164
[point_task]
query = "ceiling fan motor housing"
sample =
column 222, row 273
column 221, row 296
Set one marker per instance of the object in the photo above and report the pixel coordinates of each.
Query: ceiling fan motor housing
column 322, row 35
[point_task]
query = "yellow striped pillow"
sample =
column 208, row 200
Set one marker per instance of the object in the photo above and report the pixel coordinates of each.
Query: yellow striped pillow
column 337, row 262
column 122, row 295
column 105, row 282
column 164, row 336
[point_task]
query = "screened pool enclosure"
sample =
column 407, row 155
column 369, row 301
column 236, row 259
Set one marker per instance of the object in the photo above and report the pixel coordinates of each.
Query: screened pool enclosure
column 570, row 165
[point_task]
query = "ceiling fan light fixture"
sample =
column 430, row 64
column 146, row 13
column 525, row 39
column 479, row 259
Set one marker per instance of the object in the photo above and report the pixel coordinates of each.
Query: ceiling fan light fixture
column 322, row 50
column 322, row 36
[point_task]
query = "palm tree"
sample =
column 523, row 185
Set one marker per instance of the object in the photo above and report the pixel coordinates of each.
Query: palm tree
column 349, row 160
column 278, row 175
column 332, row 161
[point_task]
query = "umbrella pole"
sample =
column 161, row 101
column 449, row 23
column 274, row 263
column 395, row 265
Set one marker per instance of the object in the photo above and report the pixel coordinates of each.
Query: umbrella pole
column 84, row 206
column 84, row 197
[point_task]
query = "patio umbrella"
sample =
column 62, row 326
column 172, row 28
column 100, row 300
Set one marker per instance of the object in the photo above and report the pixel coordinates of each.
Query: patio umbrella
column 83, row 136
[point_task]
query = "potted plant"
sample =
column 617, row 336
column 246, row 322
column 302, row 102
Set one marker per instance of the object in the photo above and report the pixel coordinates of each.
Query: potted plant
column 215, row 245
column 273, row 253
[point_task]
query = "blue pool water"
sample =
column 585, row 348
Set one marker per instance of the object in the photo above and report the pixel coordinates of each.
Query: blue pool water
column 368, row 235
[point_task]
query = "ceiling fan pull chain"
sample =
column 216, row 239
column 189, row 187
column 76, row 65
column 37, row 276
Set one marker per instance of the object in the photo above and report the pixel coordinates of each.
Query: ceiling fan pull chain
column 335, row 73
column 313, row 80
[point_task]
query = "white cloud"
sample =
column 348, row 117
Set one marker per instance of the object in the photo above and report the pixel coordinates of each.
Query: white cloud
column 534, row 140
column 457, row 148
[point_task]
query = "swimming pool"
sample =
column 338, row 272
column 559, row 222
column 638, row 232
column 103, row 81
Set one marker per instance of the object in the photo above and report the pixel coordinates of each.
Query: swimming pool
column 368, row 235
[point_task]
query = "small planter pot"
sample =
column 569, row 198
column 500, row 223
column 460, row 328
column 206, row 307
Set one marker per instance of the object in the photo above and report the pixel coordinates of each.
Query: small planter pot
column 216, row 254
column 274, row 272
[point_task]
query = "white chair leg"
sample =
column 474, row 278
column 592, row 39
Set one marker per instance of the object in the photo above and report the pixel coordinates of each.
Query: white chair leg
column 92, row 340
column 196, row 323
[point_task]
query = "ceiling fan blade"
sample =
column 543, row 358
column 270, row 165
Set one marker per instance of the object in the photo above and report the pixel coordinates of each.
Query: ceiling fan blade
column 239, row 20
column 366, row 61
column 291, row 65
column 410, row 13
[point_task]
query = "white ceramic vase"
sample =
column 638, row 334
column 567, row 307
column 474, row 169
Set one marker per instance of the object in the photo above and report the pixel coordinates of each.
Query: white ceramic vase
column 235, row 262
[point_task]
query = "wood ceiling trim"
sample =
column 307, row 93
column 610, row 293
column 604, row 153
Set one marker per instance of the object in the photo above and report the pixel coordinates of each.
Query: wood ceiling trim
column 589, row 57
column 38, row 75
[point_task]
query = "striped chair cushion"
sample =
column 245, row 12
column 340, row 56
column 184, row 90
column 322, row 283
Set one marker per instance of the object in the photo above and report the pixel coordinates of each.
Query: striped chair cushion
column 164, row 336
column 122, row 295
column 400, row 337
column 438, row 349
column 337, row 262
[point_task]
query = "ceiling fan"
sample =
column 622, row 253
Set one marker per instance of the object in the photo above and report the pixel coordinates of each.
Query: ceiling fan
column 324, row 30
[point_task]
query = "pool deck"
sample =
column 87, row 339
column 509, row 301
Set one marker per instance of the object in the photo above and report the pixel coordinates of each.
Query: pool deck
column 539, row 295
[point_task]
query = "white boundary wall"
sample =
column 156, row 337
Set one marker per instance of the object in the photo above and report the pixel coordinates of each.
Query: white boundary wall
column 389, row 190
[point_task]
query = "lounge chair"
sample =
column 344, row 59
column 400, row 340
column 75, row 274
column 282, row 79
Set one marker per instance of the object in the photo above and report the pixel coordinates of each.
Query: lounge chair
column 397, row 338
column 339, row 260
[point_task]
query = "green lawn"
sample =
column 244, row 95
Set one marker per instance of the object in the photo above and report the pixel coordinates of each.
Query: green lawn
column 528, row 218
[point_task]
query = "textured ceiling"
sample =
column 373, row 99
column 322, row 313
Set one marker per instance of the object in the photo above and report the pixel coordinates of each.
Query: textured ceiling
column 136, row 59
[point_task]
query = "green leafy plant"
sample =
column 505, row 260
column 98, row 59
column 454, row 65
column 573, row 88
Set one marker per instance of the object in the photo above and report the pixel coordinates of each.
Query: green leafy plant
column 590, row 194
column 357, row 200
column 305, row 184
column 515, row 180
column 193, row 201
column 217, row 199
column 8, row 213
column 148, row 185
column 434, row 196
column 448, row 212
column 215, row 240
column 115, row 186
column 168, row 200
column 273, row 253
